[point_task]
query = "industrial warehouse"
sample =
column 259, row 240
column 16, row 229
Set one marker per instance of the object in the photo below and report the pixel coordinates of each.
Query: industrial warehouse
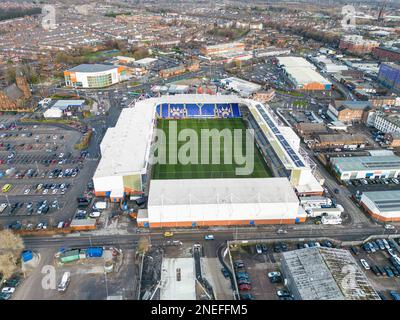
column 382, row 205
column 318, row 274
column 95, row 75
column 366, row 167
column 214, row 195
column 303, row 74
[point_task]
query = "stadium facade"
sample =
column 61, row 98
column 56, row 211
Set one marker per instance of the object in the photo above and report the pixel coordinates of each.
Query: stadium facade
column 125, row 170
column 95, row 75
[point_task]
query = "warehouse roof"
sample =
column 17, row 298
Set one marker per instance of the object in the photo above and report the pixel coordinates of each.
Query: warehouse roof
column 221, row 191
column 301, row 70
column 92, row 68
column 385, row 201
column 367, row 163
column 317, row 274
column 342, row 138
column 353, row 105
column 296, row 62
column 178, row 280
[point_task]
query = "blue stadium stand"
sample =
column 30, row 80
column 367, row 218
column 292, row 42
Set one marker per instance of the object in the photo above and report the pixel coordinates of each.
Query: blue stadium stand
column 208, row 110
column 193, row 110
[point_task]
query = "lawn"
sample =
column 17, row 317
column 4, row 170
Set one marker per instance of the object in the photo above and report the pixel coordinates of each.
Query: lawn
column 202, row 170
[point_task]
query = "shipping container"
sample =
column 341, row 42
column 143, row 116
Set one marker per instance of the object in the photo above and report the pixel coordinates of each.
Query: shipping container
column 94, row 252
column 26, row 255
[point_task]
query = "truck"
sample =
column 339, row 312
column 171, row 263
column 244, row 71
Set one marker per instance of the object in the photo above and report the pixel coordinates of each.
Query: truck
column 63, row 285
column 100, row 205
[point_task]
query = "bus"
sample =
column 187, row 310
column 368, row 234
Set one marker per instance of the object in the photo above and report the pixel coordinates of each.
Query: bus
column 6, row 187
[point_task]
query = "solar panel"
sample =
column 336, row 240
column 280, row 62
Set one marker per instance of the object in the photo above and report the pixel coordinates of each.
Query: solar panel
column 292, row 154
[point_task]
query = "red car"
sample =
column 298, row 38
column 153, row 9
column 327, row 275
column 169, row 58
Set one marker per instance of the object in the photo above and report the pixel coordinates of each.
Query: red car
column 244, row 287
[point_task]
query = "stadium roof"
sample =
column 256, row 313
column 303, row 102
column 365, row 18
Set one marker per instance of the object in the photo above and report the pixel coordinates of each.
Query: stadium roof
column 287, row 154
column 317, row 274
column 221, row 191
column 385, row 201
column 93, row 68
column 367, row 163
column 125, row 147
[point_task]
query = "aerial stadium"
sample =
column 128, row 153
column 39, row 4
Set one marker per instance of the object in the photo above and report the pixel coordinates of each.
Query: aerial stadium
column 200, row 191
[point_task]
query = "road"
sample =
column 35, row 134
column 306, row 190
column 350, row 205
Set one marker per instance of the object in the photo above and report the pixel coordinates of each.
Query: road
column 220, row 235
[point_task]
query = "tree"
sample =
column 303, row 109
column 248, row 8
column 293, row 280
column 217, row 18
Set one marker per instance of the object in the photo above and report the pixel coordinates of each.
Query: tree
column 11, row 246
column 10, row 74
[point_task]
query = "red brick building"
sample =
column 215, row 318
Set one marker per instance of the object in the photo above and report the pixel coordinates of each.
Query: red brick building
column 387, row 54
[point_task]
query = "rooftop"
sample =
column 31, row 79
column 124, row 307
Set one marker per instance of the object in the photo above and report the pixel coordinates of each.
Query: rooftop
column 385, row 201
column 221, row 191
column 367, row 163
column 354, row 105
column 92, row 68
column 318, row 274
column 178, row 281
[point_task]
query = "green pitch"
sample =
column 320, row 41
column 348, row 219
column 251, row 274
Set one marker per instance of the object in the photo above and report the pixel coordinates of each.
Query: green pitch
column 207, row 171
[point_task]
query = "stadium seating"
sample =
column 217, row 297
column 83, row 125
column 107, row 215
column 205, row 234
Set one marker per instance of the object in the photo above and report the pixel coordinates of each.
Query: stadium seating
column 235, row 110
column 177, row 111
column 191, row 110
column 208, row 110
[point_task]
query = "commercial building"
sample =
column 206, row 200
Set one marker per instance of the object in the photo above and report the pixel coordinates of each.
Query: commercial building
column 243, row 87
column 387, row 53
column 328, row 65
column 317, row 274
column 357, row 44
column 145, row 62
column 221, row 49
column 342, row 140
column 382, row 205
column 303, row 74
column 366, row 167
column 389, row 75
column 387, row 123
column 348, row 111
column 310, row 129
column 215, row 202
column 95, row 75
column 170, row 72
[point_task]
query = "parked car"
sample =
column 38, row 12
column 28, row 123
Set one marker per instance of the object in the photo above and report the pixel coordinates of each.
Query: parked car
column 244, row 287
column 365, row 264
column 258, row 249
column 354, row 250
column 283, row 293
column 8, row 290
column 225, row 272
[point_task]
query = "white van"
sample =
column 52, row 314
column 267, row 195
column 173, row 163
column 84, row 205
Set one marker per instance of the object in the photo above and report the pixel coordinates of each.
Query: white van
column 66, row 278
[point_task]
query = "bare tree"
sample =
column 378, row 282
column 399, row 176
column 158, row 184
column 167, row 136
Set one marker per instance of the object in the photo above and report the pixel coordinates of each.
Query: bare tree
column 11, row 246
